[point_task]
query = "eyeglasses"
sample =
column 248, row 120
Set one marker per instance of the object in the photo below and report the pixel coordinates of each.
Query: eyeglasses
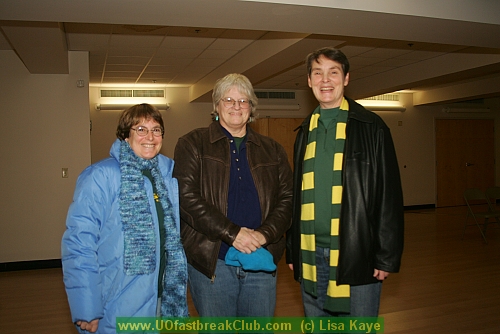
column 230, row 102
column 143, row 132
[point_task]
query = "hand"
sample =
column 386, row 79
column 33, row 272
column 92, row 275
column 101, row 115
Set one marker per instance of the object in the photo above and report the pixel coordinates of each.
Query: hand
column 89, row 326
column 258, row 236
column 245, row 241
column 290, row 265
column 380, row 274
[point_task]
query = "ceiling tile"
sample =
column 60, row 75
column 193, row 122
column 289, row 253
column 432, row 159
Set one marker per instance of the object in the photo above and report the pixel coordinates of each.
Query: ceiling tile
column 396, row 62
column 135, row 41
column 175, row 42
column 131, row 52
column 4, row 44
column 384, row 53
column 218, row 53
column 178, row 53
column 230, row 44
column 123, row 68
column 170, row 60
column 208, row 62
column 88, row 42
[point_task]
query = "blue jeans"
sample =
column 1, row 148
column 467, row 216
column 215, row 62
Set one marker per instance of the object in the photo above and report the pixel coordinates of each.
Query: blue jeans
column 233, row 293
column 365, row 299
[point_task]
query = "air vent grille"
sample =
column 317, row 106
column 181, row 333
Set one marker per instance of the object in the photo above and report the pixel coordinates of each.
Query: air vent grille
column 384, row 97
column 276, row 95
column 132, row 93
column 149, row 93
column 116, row 93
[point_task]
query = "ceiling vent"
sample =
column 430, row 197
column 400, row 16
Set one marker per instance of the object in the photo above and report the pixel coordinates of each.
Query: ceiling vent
column 384, row 102
column 275, row 95
column 383, row 97
column 132, row 93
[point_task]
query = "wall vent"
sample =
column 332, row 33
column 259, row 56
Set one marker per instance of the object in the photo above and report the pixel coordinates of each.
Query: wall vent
column 132, row 93
column 276, row 95
column 384, row 97
column 116, row 92
column 149, row 93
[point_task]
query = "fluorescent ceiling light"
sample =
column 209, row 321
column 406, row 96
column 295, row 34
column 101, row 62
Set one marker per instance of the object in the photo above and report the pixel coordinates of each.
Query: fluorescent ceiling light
column 382, row 105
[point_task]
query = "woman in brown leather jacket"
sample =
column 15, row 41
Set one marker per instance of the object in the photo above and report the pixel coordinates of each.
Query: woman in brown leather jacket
column 236, row 197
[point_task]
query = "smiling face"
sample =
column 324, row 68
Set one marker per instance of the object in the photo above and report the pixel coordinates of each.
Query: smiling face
column 146, row 147
column 234, row 119
column 327, row 81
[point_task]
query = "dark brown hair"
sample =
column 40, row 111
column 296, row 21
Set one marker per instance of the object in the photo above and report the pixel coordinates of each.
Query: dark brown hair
column 135, row 115
column 330, row 53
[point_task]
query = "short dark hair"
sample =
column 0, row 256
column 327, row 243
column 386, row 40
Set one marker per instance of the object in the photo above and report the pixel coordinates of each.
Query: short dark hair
column 135, row 115
column 330, row 53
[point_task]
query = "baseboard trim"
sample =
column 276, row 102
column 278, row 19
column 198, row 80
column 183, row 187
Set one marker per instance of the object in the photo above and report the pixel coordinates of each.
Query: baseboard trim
column 30, row 265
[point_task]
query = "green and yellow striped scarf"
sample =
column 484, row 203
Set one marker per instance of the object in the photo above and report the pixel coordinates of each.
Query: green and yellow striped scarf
column 337, row 295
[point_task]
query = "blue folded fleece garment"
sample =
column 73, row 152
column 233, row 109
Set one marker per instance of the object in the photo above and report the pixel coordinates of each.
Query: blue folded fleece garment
column 260, row 260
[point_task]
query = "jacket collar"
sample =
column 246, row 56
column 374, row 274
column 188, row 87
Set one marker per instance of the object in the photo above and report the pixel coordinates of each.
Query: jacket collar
column 215, row 133
column 356, row 111
column 115, row 150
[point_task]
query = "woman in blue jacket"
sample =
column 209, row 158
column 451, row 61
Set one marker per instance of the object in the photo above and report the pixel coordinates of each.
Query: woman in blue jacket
column 122, row 227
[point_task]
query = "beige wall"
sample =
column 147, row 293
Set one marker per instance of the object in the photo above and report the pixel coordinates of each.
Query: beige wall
column 45, row 122
column 181, row 118
column 55, row 117
column 414, row 141
column 178, row 120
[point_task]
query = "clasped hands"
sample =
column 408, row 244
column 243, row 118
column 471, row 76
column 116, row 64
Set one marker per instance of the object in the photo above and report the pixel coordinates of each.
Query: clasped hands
column 248, row 240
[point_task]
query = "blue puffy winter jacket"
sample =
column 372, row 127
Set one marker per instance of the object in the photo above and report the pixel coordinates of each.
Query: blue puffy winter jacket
column 92, row 247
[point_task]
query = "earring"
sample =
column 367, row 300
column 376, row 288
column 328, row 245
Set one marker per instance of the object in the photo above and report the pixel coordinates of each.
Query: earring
column 217, row 118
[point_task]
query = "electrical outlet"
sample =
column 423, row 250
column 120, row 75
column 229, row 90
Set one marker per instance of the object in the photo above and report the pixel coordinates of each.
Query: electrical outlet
column 65, row 172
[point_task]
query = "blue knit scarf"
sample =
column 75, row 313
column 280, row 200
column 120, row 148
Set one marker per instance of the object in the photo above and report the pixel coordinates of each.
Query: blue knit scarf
column 139, row 231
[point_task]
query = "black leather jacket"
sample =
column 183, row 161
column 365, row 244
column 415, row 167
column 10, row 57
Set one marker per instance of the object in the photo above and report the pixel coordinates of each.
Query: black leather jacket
column 202, row 165
column 371, row 217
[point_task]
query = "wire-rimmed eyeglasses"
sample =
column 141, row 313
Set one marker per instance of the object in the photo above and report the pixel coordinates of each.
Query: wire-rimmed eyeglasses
column 230, row 102
column 143, row 131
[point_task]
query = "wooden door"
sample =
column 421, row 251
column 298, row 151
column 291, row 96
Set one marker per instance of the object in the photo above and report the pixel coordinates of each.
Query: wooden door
column 280, row 129
column 465, row 158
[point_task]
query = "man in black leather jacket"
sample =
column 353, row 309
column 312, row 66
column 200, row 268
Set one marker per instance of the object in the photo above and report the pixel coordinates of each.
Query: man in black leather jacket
column 356, row 238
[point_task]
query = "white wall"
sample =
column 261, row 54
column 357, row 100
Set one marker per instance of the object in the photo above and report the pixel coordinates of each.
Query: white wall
column 178, row 120
column 45, row 127
column 414, row 140
column 54, row 117
column 181, row 118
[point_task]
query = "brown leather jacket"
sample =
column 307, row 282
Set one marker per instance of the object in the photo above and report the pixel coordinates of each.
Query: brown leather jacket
column 202, row 164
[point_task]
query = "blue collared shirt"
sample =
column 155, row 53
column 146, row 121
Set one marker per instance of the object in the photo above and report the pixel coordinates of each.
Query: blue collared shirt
column 243, row 206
